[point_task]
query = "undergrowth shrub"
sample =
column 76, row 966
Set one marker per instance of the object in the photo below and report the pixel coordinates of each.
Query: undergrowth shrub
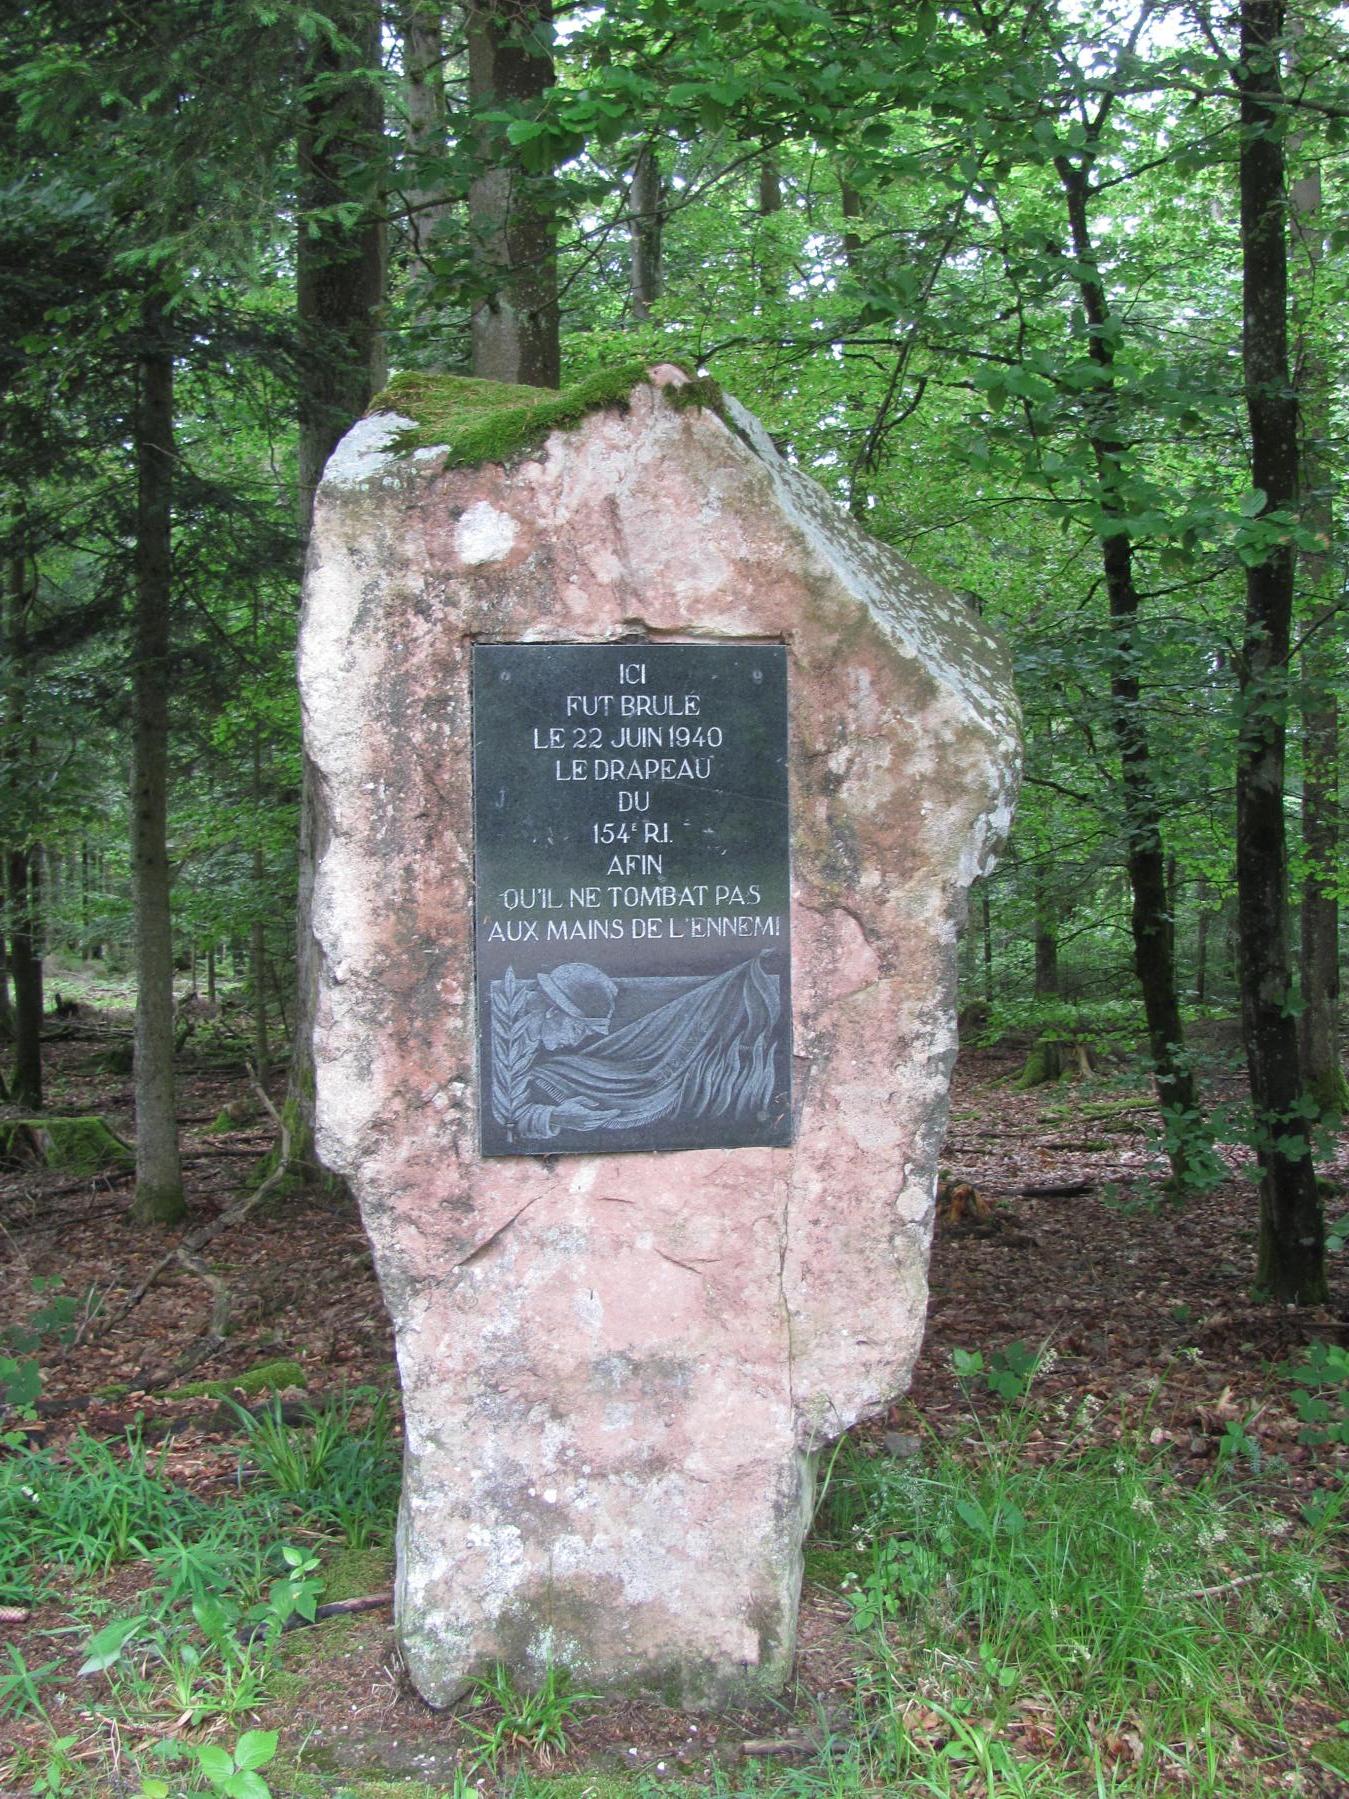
column 1093, row 1588
column 1321, row 1393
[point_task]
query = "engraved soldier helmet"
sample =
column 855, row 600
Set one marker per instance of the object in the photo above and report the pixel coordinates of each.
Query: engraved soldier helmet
column 581, row 991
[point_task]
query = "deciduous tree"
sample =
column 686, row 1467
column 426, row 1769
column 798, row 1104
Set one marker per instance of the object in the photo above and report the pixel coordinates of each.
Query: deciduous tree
column 1291, row 1262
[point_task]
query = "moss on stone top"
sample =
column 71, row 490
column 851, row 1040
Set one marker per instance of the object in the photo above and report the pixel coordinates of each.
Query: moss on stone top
column 702, row 391
column 494, row 421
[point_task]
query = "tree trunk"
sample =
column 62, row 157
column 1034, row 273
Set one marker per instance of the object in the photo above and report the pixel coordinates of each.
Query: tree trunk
column 1321, row 658
column 1291, row 1262
column 1201, row 931
column 85, row 907
column 515, row 322
column 1320, row 950
column 53, row 899
column 1319, row 1036
column 26, row 965
column 21, row 869
column 258, row 956
column 771, row 267
column 850, row 204
column 262, row 1055
column 1188, row 1143
column 645, row 226
column 1046, row 937
column 6, row 1004
column 340, row 271
column 159, row 1180
column 425, row 135
column 339, row 263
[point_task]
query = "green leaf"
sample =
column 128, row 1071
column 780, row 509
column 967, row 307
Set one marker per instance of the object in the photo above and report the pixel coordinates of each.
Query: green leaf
column 975, row 1516
column 1252, row 504
column 246, row 1785
column 216, row 1764
column 107, row 1644
column 255, row 1748
column 20, row 1382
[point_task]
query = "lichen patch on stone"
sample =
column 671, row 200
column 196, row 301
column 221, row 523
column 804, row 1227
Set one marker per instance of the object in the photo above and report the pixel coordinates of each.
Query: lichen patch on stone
column 484, row 534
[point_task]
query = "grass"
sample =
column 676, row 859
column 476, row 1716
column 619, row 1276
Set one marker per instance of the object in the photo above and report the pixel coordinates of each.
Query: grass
column 197, row 1646
column 523, row 1722
column 1091, row 1605
column 1024, row 1619
column 339, row 1474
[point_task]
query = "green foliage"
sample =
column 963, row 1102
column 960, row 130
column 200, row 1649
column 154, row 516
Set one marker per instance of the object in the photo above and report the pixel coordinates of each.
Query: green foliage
column 1321, row 1393
column 233, row 1774
column 58, row 1768
column 1007, row 1374
column 101, row 1505
column 1116, row 1021
column 19, row 1686
column 295, row 1595
column 1090, row 1588
column 56, row 1318
column 339, row 1469
column 202, row 1644
column 523, row 1721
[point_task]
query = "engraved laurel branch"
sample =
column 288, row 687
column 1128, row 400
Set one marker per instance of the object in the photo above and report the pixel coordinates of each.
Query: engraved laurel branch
column 510, row 1051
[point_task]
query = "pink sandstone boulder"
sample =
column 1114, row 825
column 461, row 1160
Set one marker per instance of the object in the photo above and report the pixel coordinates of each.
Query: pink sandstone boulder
column 618, row 1370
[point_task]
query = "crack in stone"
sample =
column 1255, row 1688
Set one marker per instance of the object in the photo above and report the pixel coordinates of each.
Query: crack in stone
column 687, row 1266
column 476, row 1254
column 848, row 912
column 784, row 1239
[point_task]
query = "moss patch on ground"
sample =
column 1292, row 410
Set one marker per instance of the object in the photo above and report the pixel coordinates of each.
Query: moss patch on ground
column 267, row 1375
column 495, row 421
column 352, row 1573
column 74, row 1145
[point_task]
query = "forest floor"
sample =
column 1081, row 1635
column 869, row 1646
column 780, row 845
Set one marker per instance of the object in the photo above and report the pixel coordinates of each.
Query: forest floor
column 1134, row 1319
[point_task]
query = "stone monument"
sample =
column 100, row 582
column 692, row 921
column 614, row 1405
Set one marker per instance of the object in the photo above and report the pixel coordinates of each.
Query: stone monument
column 650, row 790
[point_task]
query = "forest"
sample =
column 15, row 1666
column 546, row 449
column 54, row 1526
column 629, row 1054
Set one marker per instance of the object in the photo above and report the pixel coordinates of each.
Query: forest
column 1052, row 299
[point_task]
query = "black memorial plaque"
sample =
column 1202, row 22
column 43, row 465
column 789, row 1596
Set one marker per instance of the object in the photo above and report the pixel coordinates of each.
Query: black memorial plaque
column 630, row 813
